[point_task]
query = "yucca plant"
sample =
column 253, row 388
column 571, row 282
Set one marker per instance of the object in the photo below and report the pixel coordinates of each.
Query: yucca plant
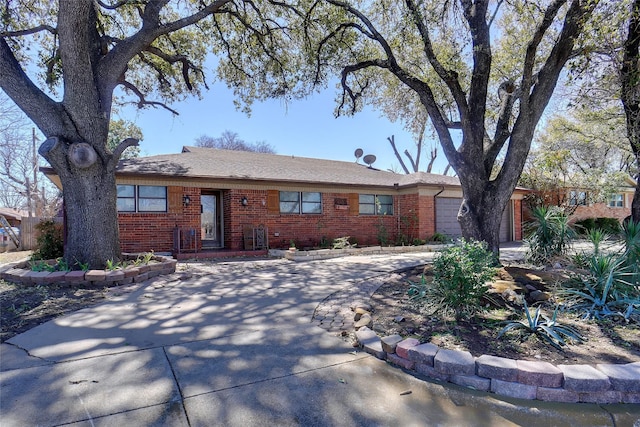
column 549, row 330
column 549, row 234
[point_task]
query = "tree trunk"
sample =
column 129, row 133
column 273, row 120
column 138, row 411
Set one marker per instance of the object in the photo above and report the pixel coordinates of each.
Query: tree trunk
column 92, row 218
column 630, row 95
column 480, row 216
column 89, row 190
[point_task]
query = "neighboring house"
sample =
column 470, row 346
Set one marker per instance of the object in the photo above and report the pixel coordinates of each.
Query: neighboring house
column 207, row 199
column 14, row 219
column 581, row 205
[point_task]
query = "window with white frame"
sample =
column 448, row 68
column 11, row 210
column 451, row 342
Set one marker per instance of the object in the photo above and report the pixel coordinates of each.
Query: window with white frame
column 373, row 204
column 142, row 198
column 616, row 201
column 577, row 198
column 300, row 202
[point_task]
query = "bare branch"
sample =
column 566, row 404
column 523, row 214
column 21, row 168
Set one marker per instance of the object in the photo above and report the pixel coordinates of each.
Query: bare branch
column 119, row 4
column 28, row 31
column 142, row 101
column 392, row 141
column 129, row 142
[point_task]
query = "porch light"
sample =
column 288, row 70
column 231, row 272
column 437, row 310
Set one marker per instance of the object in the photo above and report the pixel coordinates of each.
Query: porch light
column 186, row 200
column 244, row 201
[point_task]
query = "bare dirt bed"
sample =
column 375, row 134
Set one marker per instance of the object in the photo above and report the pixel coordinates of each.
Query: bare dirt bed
column 606, row 341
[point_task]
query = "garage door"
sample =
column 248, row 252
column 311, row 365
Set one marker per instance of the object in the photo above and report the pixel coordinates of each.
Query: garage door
column 447, row 218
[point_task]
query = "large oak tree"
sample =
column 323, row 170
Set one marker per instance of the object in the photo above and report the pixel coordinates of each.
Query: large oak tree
column 149, row 52
column 483, row 70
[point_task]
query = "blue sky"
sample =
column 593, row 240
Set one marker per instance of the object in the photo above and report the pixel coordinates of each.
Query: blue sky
column 305, row 128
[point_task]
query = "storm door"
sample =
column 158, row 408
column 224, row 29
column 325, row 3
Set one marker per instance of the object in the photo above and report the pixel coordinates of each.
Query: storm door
column 210, row 220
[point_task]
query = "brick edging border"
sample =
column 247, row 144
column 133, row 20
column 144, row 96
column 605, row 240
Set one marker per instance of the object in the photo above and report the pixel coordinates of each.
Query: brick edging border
column 533, row 380
column 18, row 273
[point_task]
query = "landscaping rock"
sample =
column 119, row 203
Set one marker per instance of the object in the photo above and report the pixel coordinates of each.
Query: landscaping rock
column 365, row 321
column 497, row 367
column 402, row 349
column 584, row 378
column 455, row 362
column 625, row 378
column 390, row 342
column 423, row 353
column 542, row 374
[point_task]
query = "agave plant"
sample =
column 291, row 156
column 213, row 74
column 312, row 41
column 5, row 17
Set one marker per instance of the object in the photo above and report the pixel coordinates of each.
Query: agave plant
column 609, row 290
column 548, row 330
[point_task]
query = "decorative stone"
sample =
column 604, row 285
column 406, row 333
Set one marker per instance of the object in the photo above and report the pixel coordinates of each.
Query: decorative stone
column 431, row 372
column 390, row 342
column 359, row 313
column 512, row 389
column 584, row 378
column 497, row 367
column 455, row 362
column 370, row 342
column 95, row 275
column 365, row 321
column 550, row 394
column 402, row 349
column 625, row 378
column 399, row 361
column 423, row 353
column 542, row 374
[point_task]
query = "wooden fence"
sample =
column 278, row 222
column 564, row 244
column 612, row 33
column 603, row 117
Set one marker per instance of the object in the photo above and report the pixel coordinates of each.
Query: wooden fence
column 29, row 233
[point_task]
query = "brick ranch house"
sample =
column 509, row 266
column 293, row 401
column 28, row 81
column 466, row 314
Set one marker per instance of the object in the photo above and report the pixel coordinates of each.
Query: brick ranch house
column 205, row 199
column 582, row 206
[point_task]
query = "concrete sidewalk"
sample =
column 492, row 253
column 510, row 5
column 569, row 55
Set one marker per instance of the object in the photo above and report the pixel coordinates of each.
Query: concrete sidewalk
column 233, row 343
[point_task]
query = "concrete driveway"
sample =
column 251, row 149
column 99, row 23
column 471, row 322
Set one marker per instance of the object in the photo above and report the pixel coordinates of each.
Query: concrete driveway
column 237, row 343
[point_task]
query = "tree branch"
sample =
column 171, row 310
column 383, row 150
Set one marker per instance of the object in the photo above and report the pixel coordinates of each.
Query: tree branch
column 392, row 141
column 129, row 142
column 29, row 31
column 142, row 101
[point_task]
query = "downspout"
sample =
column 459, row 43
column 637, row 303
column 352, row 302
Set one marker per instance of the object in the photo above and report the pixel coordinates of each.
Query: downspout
column 435, row 215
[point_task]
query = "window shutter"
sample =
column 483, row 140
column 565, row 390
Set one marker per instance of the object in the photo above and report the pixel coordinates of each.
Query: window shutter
column 273, row 201
column 174, row 196
column 354, row 204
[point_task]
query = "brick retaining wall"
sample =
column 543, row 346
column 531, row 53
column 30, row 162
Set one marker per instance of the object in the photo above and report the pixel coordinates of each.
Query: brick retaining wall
column 20, row 273
column 604, row 383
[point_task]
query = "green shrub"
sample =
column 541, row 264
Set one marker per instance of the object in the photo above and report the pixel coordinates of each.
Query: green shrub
column 460, row 276
column 548, row 234
column 585, row 225
column 439, row 238
column 49, row 242
column 608, row 225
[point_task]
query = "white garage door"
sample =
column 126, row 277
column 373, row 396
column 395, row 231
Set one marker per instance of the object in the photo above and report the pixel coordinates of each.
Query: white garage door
column 447, row 218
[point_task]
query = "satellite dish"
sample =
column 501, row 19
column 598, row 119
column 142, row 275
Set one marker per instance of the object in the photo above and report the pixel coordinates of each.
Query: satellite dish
column 358, row 153
column 369, row 159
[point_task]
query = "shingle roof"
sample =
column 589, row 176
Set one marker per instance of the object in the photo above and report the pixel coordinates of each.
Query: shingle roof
column 228, row 164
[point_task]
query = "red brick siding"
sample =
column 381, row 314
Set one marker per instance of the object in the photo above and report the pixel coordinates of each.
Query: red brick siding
column 414, row 217
column 143, row 232
column 600, row 210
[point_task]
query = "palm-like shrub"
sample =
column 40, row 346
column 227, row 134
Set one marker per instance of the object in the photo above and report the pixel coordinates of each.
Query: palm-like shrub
column 548, row 234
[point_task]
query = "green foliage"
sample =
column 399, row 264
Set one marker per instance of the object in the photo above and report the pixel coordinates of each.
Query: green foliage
column 382, row 234
column 548, row 234
column 609, row 226
column 342, row 243
column 49, row 241
column 439, row 238
column 596, row 237
column 631, row 236
column 84, row 266
column 612, row 288
column 541, row 326
column 418, row 242
column 460, row 276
